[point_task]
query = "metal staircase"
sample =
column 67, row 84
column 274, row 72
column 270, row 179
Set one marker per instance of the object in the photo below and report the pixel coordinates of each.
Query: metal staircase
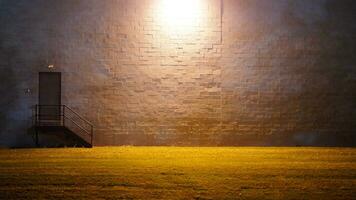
column 62, row 122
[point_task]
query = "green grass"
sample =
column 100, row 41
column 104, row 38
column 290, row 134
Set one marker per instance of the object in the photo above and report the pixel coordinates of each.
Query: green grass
column 178, row 173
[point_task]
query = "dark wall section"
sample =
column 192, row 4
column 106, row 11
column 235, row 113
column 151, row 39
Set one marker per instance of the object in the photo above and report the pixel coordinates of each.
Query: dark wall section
column 22, row 45
column 296, row 71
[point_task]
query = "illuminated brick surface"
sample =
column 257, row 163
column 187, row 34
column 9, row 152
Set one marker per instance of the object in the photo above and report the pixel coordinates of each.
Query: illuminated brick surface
column 276, row 72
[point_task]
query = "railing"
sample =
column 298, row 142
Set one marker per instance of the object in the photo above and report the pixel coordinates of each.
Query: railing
column 62, row 115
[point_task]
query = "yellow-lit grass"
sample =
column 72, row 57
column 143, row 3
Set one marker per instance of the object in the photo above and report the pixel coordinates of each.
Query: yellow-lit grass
column 178, row 173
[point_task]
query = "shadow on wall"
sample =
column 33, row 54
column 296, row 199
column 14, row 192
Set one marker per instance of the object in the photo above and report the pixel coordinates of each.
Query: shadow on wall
column 23, row 48
column 8, row 91
column 295, row 139
column 328, row 98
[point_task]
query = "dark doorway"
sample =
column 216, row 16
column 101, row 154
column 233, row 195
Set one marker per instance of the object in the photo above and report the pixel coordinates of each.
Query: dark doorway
column 50, row 96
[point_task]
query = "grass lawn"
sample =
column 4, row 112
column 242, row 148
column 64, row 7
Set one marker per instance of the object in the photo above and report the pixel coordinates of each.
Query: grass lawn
column 178, row 173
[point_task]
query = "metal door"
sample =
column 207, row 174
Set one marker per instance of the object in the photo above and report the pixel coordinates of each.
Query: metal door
column 50, row 95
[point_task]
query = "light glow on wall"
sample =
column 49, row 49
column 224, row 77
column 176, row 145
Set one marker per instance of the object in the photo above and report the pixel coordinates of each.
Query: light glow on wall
column 180, row 16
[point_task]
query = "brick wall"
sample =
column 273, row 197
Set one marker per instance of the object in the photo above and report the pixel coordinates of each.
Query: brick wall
column 249, row 72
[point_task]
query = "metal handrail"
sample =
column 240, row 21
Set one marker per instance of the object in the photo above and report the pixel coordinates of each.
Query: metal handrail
column 63, row 115
column 79, row 126
column 80, row 117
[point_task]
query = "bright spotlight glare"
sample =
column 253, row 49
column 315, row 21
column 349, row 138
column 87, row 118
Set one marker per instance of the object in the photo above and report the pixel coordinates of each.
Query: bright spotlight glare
column 180, row 15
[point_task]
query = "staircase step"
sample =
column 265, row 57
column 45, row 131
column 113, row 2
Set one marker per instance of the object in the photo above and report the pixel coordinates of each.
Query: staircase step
column 59, row 136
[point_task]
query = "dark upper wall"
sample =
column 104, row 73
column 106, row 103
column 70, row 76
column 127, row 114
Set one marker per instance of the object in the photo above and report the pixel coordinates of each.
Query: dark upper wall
column 295, row 68
column 276, row 73
column 23, row 44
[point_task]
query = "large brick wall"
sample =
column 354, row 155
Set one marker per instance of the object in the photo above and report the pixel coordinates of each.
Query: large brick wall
column 244, row 72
